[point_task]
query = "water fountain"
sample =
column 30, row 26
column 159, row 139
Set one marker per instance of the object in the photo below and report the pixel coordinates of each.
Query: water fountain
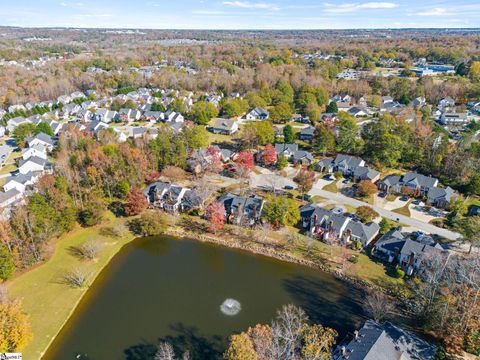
column 230, row 307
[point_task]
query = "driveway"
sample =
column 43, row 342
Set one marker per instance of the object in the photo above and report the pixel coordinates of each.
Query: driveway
column 414, row 223
column 268, row 180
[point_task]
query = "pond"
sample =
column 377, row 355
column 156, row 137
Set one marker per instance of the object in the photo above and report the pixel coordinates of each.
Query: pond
column 166, row 289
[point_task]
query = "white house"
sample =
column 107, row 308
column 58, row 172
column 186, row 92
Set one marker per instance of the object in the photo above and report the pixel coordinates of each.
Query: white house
column 36, row 150
column 258, row 114
column 41, row 139
column 105, row 115
column 13, row 123
column 33, row 163
column 20, row 182
column 172, row 116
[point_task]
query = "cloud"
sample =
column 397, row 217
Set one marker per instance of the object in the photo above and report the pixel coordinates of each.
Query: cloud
column 434, row 12
column 346, row 8
column 250, row 5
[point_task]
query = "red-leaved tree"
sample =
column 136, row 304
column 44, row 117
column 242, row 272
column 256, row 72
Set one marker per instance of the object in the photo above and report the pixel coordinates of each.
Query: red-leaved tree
column 269, row 155
column 244, row 163
column 215, row 213
column 136, row 202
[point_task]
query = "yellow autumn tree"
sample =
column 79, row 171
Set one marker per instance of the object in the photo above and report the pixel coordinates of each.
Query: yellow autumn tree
column 240, row 348
column 14, row 327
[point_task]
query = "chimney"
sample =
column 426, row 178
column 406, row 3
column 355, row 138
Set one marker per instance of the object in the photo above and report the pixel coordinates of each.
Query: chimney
column 355, row 333
column 344, row 351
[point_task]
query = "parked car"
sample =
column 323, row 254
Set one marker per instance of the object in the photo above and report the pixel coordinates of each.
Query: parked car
column 345, row 181
column 382, row 194
column 327, row 177
column 307, row 197
column 404, row 198
column 288, row 187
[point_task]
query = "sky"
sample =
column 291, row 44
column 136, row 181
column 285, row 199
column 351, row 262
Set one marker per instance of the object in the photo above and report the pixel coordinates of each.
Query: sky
column 240, row 14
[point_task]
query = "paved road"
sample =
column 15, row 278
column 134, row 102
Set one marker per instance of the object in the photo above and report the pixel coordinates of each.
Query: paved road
column 420, row 225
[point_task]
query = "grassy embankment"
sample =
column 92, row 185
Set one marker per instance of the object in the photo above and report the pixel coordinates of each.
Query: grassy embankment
column 47, row 300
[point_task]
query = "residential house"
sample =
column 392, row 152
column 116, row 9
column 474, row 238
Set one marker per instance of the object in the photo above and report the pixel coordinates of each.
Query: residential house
column 386, row 342
column 171, row 198
column 452, row 118
column 333, row 227
column 42, row 139
column 32, row 164
column 357, row 111
column 242, row 210
column 307, row 133
column 258, row 114
column 9, row 197
column 21, row 182
column 419, row 102
column 70, row 110
column 365, row 173
column 406, row 249
column 474, row 210
column 96, row 126
column 293, row 154
column 106, row 116
column 36, row 150
column 129, row 115
column 225, row 126
column 447, row 102
column 341, row 98
column 173, row 117
column 13, row 123
column 415, row 183
column 156, row 116
column 440, row 197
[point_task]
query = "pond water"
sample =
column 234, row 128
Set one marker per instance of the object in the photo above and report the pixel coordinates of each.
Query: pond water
column 194, row 295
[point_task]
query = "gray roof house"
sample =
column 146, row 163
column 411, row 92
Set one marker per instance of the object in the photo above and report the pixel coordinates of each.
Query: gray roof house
column 242, row 210
column 291, row 152
column 41, row 139
column 171, row 197
column 440, row 197
column 365, row 173
column 225, row 126
column 331, row 227
column 417, row 183
column 385, row 341
column 258, row 114
column 307, row 133
column 407, row 251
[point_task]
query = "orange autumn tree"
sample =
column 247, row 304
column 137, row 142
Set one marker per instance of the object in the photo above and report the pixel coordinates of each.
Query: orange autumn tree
column 136, row 202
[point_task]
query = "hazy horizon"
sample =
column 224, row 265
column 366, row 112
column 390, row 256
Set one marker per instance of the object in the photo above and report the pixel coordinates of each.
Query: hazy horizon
column 241, row 15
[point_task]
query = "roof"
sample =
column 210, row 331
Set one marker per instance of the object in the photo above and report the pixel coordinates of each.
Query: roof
column 234, row 203
column 259, row 112
column 419, row 179
column 392, row 180
column 280, row 148
column 301, row 154
column 309, row 131
column 42, row 137
column 348, row 160
column 435, row 194
column 324, row 216
column 7, row 195
column 386, row 342
column 35, row 159
column 364, row 232
column 365, row 172
column 224, row 124
column 395, row 240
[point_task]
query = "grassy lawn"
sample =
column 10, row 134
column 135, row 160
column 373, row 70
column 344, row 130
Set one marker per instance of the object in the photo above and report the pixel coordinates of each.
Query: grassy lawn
column 332, row 187
column 404, row 210
column 47, row 300
column 391, row 197
column 350, row 209
column 317, row 198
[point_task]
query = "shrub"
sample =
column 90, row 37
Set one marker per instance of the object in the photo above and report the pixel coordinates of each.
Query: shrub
column 7, row 264
column 150, row 223
column 90, row 249
column 353, row 259
column 399, row 273
column 76, row 278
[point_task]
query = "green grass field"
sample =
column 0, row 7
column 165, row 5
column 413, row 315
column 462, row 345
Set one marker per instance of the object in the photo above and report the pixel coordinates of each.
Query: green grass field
column 46, row 299
column 404, row 210
column 332, row 187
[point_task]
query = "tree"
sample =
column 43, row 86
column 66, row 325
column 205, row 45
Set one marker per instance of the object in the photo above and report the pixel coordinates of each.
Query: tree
column 282, row 162
column 7, row 263
column 14, row 327
column 196, row 137
column 269, row 155
column 332, row 108
column 288, row 134
column 281, row 113
column 287, row 331
column 258, row 133
column 240, row 348
column 233, row 107
column 469, row 227
column 43, row 127
column 150, row 223
column 164, row 352
column 203, row 112
column 366, row 214
column 244, row 161
column 136, row 202
column 324, row 140
column 215, row 214
column 317, row 342
column 22, row 132
column 122, row 189
column 473, row 186
column 378, row 306
column 474, row 72
column 281, row 211
column 347, row 136
column 366, row 188
column 305, row 179
column 385, row 226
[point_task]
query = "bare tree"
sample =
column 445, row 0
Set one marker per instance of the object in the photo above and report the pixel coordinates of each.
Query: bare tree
column 164, row 352
column 287, row 331
column 378, row 306
column 76, row 278
column 90, row 249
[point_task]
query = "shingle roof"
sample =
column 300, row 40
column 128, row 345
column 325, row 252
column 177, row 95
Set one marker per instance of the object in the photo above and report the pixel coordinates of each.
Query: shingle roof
column 386, row 342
